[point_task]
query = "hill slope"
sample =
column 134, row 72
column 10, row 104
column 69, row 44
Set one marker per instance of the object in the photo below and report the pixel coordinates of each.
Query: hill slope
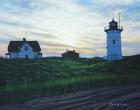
column 28, row 79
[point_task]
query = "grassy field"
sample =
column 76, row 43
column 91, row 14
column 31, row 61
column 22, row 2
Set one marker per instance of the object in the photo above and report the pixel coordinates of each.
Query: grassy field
column 22, row 80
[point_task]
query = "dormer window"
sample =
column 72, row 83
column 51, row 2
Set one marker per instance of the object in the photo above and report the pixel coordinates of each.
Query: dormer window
column 26, row 48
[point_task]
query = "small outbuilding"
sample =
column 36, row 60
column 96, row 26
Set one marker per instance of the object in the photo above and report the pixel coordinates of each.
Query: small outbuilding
column 24, row 50
column 70, row 54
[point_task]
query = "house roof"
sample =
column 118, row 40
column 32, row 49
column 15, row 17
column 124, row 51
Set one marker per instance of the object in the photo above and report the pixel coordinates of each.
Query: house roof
column 71, row 52
column 14, row 46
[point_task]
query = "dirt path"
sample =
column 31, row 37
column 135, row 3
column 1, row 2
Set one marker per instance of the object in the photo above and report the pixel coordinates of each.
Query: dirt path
column 115, row 98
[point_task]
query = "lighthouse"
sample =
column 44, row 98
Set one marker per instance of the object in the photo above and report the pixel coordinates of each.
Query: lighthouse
column 114, row 47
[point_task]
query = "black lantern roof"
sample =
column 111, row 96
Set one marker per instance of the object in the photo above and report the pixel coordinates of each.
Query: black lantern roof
column 113, row 26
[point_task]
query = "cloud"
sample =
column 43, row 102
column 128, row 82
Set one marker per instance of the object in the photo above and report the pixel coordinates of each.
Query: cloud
column 75, row 24
column 114, row 2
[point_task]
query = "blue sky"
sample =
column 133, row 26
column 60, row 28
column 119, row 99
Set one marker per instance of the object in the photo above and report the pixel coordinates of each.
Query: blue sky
column 72, row 24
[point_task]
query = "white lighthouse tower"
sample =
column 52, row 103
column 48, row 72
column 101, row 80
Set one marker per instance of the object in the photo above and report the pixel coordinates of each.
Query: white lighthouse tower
column 114, row 48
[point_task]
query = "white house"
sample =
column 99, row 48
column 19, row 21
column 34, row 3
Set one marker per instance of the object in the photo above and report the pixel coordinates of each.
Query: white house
column 24, row 50
column 114, row 47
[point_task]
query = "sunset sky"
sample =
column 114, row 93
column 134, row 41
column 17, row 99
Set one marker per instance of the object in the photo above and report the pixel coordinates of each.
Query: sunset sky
column 69, row 24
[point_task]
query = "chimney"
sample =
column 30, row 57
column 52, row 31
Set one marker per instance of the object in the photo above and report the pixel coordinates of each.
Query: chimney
column 24, row 39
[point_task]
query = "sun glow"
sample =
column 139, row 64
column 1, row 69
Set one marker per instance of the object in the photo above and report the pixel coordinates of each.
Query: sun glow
column 69, row 41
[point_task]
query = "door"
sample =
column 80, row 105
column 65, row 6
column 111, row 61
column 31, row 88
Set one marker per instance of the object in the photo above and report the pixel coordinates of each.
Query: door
column 26, row 56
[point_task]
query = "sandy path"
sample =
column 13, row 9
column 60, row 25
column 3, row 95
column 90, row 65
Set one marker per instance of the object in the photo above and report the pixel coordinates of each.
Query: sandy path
column 114, row 98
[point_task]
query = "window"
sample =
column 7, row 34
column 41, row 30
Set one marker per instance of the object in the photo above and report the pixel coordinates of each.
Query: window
column 26, row 48
column 114, row 42
column 35, row 56
column 26, row 56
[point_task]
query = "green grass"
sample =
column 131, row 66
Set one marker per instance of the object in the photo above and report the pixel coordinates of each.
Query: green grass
column 22, row 80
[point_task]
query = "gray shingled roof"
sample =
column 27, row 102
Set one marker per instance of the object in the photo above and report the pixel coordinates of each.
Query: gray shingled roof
column 14, row 46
